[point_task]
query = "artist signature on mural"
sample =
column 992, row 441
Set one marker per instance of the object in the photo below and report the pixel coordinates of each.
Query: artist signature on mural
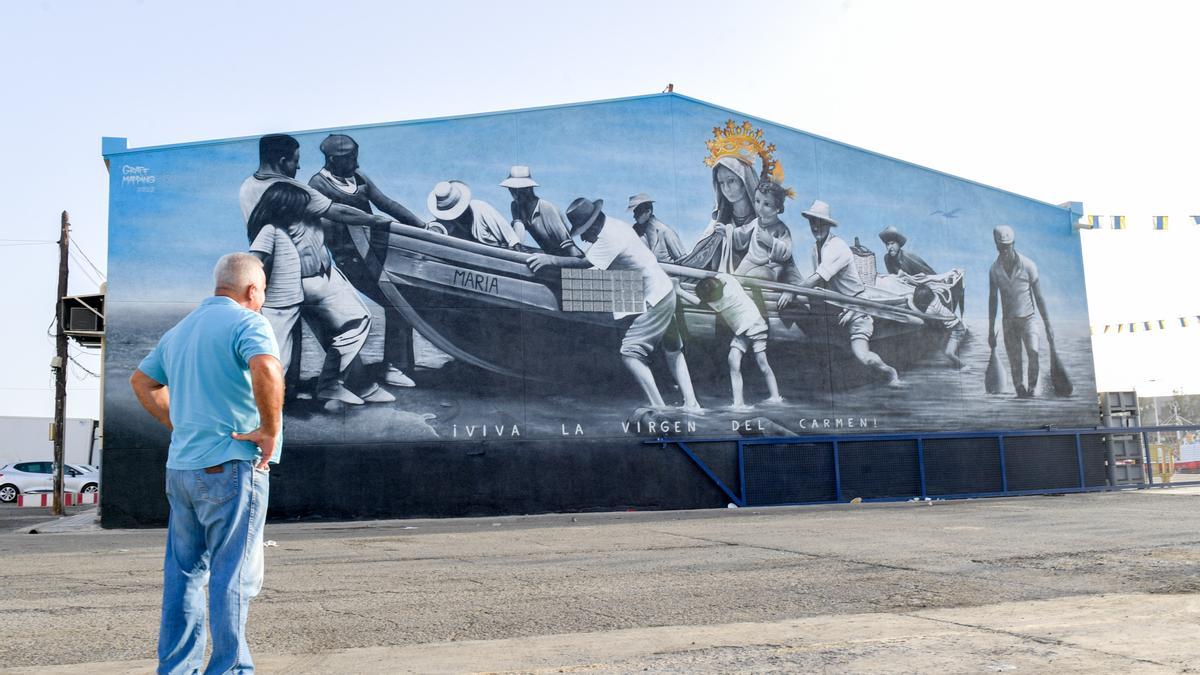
column 138, row 177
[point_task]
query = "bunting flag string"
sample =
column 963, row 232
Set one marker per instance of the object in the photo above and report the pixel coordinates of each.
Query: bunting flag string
column 1159, row 223
column 1153, row 325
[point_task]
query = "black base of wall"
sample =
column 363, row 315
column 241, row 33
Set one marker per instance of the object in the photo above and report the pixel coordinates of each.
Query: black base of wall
column 364, row 482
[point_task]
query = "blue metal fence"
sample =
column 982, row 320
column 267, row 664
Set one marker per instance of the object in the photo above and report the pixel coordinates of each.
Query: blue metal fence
column 942, row 465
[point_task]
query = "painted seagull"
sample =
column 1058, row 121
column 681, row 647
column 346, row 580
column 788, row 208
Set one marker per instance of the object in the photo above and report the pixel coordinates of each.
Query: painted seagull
column 949, row 214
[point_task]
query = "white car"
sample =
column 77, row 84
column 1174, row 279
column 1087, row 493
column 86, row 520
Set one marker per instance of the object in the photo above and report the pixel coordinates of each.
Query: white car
column 34, row 477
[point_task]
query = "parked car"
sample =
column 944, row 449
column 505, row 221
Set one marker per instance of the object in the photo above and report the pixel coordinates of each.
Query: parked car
column 34, row 477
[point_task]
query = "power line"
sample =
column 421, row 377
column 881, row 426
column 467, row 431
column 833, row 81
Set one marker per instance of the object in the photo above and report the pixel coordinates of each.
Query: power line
column 79, row 249
column 26, row 243
column 82, row 268
column 31, row 241
column 81, row 366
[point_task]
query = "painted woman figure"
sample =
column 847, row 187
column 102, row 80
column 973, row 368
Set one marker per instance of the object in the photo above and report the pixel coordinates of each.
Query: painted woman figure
column 734, row 183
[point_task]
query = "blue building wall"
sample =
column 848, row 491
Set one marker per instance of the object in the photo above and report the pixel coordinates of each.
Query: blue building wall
column 565, row 431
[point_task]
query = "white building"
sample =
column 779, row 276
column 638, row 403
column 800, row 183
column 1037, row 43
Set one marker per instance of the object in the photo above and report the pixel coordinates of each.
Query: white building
column 28, row 439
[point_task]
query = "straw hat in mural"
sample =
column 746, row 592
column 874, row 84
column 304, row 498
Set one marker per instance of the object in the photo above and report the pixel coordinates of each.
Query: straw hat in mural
column 639, row 199
column 518, row 177
column 890, row 233
column 449, row 199
column 583, row 214
column 819, row 211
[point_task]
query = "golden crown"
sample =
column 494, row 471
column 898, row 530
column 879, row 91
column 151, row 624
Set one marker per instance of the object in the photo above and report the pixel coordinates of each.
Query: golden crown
column 745, row 143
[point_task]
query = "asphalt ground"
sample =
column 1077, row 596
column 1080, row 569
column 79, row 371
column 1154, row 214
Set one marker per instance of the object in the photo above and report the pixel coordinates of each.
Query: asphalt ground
column 1081, row 583
column 13, row 517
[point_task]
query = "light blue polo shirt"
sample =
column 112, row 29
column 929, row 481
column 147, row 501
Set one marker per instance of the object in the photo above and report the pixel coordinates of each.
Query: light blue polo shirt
column 204, row 360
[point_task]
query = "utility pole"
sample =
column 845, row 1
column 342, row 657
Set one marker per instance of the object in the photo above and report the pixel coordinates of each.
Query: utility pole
column 60, row 365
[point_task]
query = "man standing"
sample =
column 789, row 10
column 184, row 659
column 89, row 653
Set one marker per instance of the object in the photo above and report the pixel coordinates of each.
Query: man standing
column 216, row 382
column 331, row 306
column 1014, row 280
column 615, row 246
column 539, row 217
column 342, row 182
column 897, row 260
column 662, row 241
column 833, row 268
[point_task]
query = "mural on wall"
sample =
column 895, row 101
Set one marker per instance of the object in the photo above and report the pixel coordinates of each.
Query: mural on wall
column 662, row 267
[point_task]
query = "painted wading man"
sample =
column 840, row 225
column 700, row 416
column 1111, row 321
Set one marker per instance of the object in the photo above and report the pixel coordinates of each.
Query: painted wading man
column 328, row 303
column 615, row 246
column 343, row 183
column 216, row 382
column 833, row 268
column 1013, row 286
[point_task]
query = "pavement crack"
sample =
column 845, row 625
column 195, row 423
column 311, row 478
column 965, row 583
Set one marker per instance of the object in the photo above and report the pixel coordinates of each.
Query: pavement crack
column 356, row 615
column 1054, row 642
column 869, row 563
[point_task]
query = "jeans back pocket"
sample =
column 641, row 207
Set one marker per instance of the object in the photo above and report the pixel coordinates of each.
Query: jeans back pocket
column 219, row 488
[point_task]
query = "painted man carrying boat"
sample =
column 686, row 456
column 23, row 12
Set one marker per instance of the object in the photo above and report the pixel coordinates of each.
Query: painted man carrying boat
column 615, row 246
column 539, row 217
column 343, row 183
column 662, row 241
column 833, row 268
column 324, row 297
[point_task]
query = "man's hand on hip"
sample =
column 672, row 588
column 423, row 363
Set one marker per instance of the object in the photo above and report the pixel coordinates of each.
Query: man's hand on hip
column 265, row 442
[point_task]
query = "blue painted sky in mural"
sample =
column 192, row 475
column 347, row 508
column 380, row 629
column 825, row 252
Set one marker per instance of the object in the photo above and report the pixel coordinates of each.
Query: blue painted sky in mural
column 607, row 150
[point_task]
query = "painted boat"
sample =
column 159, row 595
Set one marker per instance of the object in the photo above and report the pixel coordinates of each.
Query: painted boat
column 483, row 305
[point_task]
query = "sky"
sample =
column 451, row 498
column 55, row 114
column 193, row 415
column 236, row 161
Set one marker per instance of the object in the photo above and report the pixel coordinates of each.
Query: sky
column 1059, row 101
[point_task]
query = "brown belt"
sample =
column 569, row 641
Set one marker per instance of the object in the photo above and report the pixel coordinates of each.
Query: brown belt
column 215, row 469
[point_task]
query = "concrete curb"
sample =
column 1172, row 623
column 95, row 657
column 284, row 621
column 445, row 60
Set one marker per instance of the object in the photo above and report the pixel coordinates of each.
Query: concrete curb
column 86, row 521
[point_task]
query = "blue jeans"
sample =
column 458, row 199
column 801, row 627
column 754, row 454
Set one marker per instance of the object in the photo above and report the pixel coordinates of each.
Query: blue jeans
column 214, row 538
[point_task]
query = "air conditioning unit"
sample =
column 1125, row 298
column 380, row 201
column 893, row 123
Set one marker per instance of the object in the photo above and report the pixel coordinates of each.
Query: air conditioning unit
column 83, row 318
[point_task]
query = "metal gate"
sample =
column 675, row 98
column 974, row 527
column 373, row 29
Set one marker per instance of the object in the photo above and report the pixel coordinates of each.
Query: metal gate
column 942, row 465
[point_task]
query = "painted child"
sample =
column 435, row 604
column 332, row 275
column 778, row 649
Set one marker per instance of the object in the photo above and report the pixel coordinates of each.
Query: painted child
column 765, row 243
column 726, row 296
column 925, row 299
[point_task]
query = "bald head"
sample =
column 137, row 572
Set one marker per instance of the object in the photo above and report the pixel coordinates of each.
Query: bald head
column 240, row 276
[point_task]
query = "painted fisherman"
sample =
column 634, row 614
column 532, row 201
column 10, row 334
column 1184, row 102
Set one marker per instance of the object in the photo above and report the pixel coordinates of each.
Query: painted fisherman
column 662, row 241
column 461, row 216
column 897, row 260
column 833, row 268
column 329, row 304
column 343, row 183
column 539, row 217
column 1013, row 286
column 613, row 245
